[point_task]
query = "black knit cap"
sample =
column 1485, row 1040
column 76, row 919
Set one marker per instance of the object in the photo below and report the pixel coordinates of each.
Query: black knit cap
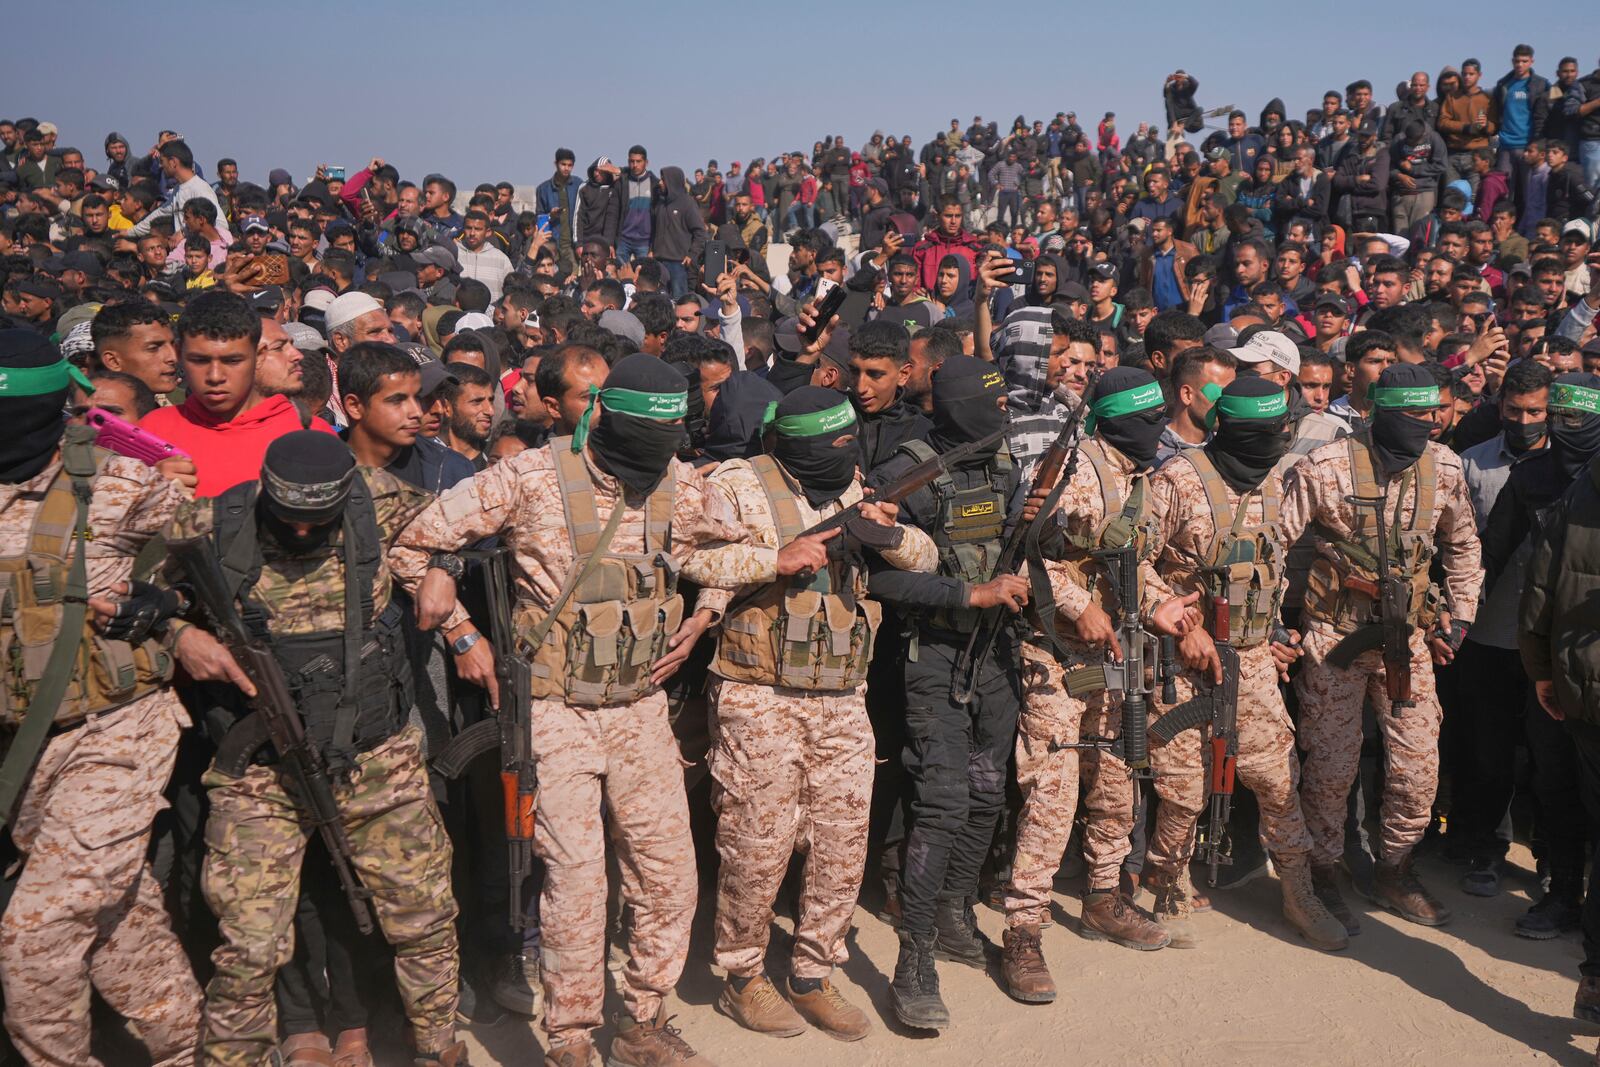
column 307, row 476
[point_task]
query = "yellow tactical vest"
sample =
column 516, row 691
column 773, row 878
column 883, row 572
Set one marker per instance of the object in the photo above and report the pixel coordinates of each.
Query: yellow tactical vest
column 1339, row 591
column 817, row 637
column 615, row 625
column 1243, row 563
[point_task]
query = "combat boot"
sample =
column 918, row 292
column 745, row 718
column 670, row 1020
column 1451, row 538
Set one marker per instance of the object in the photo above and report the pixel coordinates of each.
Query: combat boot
column 1325, row 884
column 956, row 936
column 1304, row 911
column 1559, row 910
column 758, row 1007
column 1586, row 1005
column 1022, row 964
column 1111, row 917
column 516, row 985
column 577, row 1054
column 1398, row 889
column 826, row 1008
column 1173, row 910
column 454, row 1056
column 915, row 990
column 655, row 1043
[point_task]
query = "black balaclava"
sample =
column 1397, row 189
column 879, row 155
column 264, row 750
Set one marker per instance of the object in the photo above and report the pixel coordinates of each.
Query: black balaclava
column 733, row 430
column 640, row 423
column 966, row 408
column 306, row 477
column 1398, row 438
column 787, row 373
column 806, row 425
column 34, row 384
column 1125, row 411
column 1574, row 420
column 1252, row 431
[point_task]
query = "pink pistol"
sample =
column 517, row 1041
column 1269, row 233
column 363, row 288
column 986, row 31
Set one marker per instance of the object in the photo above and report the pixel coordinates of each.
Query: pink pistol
column 126, row 439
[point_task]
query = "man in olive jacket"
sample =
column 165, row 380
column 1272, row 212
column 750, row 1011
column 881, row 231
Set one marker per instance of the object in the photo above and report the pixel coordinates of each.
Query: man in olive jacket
column 1561, row 651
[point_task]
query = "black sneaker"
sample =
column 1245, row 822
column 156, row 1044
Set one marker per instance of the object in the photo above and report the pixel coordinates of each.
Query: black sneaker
column 1482, row 878
column 517, row 987
column 1553, row 916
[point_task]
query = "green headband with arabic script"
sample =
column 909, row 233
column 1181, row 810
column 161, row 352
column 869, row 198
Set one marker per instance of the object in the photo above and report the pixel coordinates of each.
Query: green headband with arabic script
column 1575, row 398
column 1401, row 397
column 37, row 381
column 1127, row 402
column 663, row 407
column 1274, row 406
column 812, row 423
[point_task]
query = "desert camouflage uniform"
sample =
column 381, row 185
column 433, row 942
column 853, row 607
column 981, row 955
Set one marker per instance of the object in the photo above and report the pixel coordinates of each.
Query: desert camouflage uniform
column 256, row 834
column 617, row 763
column 1331, row 698
column 1184, row 527
column 1052, row 717
column 792, row 766
column 86, row 909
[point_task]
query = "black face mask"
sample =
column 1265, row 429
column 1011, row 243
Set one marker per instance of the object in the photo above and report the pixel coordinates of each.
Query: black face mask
column 636, row 450
column 1136, row 436
column 1244, row 451
column 1523, row 436
column 1398, row 438
column 34, row 425
column 823, row 470
column 284, row 534
column 1574, row 446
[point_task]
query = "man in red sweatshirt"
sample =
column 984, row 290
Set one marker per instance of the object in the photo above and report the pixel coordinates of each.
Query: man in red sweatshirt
column 948, row 238
column 232, row 412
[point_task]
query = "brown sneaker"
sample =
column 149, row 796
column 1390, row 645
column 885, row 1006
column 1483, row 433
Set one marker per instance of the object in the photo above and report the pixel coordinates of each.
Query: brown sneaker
column 654, row 1043
column 1022, row 964
column 1398, row 889
column 1586, row 1005
column 1325, row 884
column 760, row 1008
column 1304, row 911
column 828, row 1011
column 577, row 1054
column 454, row 1056
column 1109, row 917
column 1172, row 908
column 350, row 1049
column 306, row 1050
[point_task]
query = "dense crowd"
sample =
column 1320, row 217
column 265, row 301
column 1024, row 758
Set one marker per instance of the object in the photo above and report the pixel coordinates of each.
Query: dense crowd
column 945, row 514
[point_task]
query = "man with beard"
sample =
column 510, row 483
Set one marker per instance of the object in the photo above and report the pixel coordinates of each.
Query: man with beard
column 956, row 755
column 1214, row 530
column 1101, row 507
column 789, row 715
column 601, row 735
column 1534, row 483
column 310, row 533
column 469, row 412
column 1428, row 513
column 86, row 761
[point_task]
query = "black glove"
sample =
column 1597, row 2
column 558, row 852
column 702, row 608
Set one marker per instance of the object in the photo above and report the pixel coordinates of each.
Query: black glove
column 145, row 608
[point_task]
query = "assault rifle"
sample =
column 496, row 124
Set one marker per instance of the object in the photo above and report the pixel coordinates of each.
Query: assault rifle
column 273, row 719
column 1215, row 704
column 511, row 729
column 1059, row 461
column 1391, row 625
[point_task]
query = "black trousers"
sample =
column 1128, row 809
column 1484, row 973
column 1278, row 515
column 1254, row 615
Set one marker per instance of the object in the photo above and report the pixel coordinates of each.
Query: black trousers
column 1485, row 718
column 1586, row 745
column 334, row 966
column 1565, row 792
column 956, row 760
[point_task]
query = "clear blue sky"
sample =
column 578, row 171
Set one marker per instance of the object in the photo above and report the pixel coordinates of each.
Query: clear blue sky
column 484, row 92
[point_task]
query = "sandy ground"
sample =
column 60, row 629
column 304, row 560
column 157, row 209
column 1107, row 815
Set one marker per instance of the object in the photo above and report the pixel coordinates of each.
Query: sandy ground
column 1468, row 993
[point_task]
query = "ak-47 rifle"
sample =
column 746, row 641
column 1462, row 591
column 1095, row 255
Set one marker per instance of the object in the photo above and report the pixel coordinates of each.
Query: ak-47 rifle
column 511, row 728
column 1057, row 466
column 274, row 718
column 1391, row 625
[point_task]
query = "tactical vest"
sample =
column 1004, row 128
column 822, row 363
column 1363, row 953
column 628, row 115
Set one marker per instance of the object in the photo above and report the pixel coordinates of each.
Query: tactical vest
column 1330, row 598
column 817, row 636
column 1122, row 522
column 601, row 645
column 969, row 531
column 1243, row 563
column 33, row 585
column 353, row 686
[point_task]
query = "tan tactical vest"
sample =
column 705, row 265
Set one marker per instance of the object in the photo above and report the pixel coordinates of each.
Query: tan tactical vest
column 107, row 674
column 1121, row 521
column 817, row 637
column 601, row 646
column 1243, row 563
column 1330, row 595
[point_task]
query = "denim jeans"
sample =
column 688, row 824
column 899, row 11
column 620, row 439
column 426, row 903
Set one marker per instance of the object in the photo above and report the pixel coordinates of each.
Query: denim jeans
column 677, row 275
column 1589, row 156
column 628, row 252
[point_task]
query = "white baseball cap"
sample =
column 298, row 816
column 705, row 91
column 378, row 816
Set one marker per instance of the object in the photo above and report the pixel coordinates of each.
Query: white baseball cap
column 1269, row 346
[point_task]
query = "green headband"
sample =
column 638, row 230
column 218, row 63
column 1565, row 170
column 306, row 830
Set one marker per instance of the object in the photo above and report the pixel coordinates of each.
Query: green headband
column 1405, row 396
column 1575, row 397
column 36, row 381
column 1263, row 408
column 813, row 424
column 663, row 407
column 1127, row 402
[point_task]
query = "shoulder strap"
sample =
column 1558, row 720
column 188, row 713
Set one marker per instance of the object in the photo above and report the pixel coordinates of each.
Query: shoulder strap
column 1110, row 493
column 780, row 499
column 658, row 513
column 542, row 630
column 79, row 463
column 1427, row 492
column 360, row 559
column 577, row 497
column 1222, row 514
column 1363, row 525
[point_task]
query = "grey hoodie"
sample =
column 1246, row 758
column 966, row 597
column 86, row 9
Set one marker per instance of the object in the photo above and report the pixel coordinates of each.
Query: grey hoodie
column 678, row 229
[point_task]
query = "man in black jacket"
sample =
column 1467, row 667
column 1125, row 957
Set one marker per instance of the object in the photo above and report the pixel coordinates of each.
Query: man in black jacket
column 879, row 369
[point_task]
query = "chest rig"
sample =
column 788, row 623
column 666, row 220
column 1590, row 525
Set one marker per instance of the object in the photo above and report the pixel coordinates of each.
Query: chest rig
column 969, row 530
column 1241, row 573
